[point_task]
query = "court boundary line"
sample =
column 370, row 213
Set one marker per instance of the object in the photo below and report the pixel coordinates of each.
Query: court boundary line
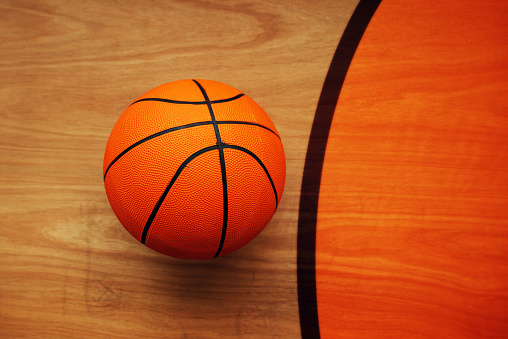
column 314, row 159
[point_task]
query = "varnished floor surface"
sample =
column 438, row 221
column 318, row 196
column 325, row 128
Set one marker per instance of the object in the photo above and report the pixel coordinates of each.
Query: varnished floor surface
column 411, row 230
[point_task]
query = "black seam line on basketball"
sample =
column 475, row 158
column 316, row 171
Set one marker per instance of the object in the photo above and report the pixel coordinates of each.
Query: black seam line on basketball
column 212, row 115
column 222, row 168
column 158, row 134
column 252, row 154
column 226, row 122
column 157, row 206
column 195, row 124
column 224, row 199
column 311, row 181
column 189, row 102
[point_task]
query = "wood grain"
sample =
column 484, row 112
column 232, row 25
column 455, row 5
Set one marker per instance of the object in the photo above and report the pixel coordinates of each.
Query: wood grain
column 67, row 267
column 412, row 229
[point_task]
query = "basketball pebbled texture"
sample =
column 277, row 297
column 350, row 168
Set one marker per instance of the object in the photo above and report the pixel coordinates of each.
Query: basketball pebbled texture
column 194, row 169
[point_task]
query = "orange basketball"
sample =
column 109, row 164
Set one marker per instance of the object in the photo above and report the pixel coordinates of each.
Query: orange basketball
column 194, row 169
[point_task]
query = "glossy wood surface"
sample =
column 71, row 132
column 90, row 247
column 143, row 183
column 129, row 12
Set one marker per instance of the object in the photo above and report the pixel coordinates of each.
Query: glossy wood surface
column 414, row 198
column 412, row 234
column 68, row 269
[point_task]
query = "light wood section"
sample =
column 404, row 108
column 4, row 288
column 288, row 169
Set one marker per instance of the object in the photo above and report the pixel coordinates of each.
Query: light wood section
column 412, row 236
column 68, row 70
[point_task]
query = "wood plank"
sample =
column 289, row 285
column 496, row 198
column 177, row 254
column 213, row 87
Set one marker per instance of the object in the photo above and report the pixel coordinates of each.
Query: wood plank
column 69, row 69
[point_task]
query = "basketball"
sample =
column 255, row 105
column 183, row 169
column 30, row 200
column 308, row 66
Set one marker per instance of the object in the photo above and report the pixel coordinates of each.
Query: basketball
column 194, row 169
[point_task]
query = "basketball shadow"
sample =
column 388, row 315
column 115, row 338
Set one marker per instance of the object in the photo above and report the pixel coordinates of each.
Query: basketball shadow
column 207, row 280
column 234, row 290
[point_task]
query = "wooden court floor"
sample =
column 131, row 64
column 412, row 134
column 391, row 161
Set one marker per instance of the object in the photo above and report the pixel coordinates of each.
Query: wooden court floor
column 394, row 218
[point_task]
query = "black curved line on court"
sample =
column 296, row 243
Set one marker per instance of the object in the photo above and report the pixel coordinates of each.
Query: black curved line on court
column 311, row 181
column 168, row 187
column 201, row 123
column 222, row 169
column 189, row 102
